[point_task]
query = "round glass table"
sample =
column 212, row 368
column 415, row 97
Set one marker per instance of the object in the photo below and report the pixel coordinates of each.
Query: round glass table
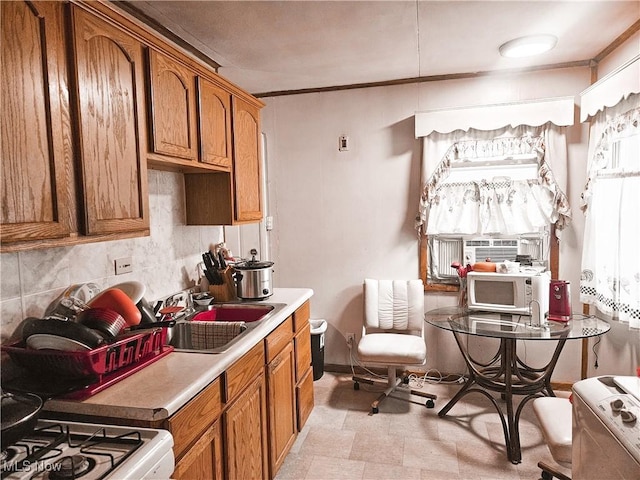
column 505, row 372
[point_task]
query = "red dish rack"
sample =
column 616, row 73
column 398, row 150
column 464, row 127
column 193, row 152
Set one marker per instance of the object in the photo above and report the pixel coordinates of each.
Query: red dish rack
column 102, row 366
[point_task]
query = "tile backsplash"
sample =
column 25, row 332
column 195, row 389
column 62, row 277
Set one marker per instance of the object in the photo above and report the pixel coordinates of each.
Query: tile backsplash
column 165, row 262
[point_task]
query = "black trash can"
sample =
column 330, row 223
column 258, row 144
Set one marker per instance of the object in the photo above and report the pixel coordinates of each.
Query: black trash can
column 318, row 327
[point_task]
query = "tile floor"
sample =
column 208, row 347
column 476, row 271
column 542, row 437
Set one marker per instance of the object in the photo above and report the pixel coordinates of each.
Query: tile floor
column 405, row 440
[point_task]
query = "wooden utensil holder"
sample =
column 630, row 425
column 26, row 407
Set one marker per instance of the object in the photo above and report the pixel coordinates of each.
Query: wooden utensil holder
column 227, row 291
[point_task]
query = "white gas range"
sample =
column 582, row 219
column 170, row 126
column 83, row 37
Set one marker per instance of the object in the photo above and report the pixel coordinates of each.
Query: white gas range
column 606, row 428
column 57, row 450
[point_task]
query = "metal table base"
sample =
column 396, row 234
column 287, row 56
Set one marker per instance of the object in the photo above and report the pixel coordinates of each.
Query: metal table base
column 508, row 375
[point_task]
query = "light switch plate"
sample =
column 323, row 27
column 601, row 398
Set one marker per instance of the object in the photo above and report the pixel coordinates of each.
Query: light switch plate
column 343, row 143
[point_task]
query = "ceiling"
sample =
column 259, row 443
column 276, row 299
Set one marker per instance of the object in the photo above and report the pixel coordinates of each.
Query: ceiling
column 280, row 46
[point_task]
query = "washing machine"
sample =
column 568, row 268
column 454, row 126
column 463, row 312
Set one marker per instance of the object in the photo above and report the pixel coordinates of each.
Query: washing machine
column 606, row 428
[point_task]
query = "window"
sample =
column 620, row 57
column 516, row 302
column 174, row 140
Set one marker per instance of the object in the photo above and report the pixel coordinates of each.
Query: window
column 490, row 199
column 513, row 159
column 610, row 277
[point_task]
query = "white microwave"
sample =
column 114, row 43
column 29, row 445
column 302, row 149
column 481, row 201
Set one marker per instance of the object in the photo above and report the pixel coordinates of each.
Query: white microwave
column 517, row 293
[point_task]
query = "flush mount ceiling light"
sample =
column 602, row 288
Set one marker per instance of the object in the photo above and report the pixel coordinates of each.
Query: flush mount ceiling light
column 528, row 46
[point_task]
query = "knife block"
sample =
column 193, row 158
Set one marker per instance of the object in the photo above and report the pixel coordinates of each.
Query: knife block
column 227, row 291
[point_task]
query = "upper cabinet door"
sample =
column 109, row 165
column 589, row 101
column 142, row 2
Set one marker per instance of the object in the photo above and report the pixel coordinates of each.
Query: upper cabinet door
column 110, row 112
column 36, row 154
column 172, row 108
column 246, row 161
column 214, row 124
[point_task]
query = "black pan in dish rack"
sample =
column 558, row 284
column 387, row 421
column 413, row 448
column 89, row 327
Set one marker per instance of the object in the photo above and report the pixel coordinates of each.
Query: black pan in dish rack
column 56, row 334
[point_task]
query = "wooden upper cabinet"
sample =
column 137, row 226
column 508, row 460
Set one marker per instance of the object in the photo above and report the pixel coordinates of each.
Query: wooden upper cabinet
column 246, row 161
column 111, row 126
column 214, row 108
column 36, row 153
column 230, row 199
column 172, row 108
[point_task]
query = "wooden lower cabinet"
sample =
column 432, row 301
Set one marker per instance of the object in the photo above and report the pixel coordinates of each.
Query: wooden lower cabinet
column 197, row 439
column 304, row 398
column 304, row 370
column 204, row 460
column 289, row 383
column 244, row 423
column 245, row 441
column 281, row 398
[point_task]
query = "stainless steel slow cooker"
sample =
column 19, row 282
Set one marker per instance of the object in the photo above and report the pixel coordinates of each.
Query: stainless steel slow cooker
column 253, row 279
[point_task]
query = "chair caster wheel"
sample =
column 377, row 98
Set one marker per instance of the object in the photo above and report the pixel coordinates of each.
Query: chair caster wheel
column 374, row 410
column 356, row 386
column 430, row 404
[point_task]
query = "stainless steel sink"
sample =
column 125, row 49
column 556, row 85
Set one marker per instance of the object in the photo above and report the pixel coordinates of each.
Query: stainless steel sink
column 220, row 327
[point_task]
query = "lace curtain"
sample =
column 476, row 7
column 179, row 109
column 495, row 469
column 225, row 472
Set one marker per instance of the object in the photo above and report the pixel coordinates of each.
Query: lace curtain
column 610, row 277
column 497, row 205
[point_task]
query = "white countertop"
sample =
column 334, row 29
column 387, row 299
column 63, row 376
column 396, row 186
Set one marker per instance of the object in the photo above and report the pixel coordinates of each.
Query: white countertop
column 162, row 388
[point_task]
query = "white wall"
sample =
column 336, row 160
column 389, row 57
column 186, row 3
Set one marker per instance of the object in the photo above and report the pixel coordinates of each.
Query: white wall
column 620, row 55
column 343, row 216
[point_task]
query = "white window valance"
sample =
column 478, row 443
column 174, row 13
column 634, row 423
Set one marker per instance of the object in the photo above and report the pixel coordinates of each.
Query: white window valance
column 482, row 206
column 559, row 111
column 608, row 91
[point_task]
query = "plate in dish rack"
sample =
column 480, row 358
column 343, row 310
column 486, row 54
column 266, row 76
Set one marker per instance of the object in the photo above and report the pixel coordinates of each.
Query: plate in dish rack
column 44, row 341
column 134, row 290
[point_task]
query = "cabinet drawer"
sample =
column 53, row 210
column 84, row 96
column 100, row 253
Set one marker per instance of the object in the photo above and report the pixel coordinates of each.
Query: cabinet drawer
column 301, row 316
column 304, row 396
column 302, row 342
column 240, row 374
column 278, row 339
column 195, row 417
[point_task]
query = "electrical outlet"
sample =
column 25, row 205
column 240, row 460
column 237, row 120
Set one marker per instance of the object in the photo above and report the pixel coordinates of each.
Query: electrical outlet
column 351, row 339
column 123, row 265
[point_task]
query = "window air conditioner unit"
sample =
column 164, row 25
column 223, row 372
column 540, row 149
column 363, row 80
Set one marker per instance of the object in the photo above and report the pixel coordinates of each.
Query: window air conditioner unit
column 494, row 249
column 444, row 250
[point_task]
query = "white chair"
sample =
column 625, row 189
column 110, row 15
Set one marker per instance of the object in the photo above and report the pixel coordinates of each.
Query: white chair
column 554, row 415
column 392, row 334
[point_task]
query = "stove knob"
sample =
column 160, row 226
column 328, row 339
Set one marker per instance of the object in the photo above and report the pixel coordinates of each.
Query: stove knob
column 627, row 416
column 617, row 405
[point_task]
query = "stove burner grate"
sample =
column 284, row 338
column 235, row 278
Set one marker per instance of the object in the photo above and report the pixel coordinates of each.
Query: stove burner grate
column 71, row 467
column 94, row 443
column 51, row 441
